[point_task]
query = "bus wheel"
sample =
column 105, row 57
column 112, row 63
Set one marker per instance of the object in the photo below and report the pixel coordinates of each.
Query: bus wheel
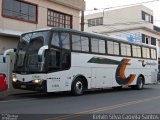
column 139, row 85
column 77, row 86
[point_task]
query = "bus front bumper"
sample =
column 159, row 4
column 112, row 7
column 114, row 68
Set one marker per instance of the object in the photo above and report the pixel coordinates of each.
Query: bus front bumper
column 30, row 86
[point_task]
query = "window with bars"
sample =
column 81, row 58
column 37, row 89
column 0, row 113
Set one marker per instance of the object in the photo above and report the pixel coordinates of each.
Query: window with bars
column 57, row 19
column 148, row 40
column 20, row 10
column 95, row 22
column 147, row 17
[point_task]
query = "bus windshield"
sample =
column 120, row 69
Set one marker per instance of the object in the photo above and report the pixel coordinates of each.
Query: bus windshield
column 27, row 51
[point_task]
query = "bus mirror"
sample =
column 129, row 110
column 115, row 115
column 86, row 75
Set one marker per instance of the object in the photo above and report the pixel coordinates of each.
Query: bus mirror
column 7, row 52
column 41, row 53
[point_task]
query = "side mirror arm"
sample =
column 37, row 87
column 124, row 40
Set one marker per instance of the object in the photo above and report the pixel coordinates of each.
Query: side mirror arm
column 41, row 53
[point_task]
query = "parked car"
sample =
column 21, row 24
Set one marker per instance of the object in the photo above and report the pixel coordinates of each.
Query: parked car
column 3, row 82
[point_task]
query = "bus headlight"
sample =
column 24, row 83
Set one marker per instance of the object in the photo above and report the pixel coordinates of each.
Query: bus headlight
column 14, row 79
column 36, row 81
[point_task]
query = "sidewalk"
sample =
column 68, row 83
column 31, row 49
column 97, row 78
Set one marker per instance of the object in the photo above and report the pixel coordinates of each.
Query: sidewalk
column 8, row 93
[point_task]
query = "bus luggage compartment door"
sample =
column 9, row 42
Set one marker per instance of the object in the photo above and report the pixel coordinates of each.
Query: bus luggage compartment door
column 101, row 78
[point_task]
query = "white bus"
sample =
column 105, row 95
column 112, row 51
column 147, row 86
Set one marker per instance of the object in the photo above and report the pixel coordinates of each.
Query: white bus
column 58, row 59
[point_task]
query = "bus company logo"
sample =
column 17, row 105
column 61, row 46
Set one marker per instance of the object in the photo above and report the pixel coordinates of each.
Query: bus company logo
column 120, row 71
column 143, row 63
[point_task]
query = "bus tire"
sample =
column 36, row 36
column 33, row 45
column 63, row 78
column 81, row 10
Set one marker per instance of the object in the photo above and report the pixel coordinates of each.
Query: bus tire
column 140, row 84
column 77, row 86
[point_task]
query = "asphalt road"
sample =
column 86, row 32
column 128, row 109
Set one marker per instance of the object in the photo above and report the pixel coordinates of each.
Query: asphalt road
column 63, row 106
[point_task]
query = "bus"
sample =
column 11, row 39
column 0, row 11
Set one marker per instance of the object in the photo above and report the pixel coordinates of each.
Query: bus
column 59, row 59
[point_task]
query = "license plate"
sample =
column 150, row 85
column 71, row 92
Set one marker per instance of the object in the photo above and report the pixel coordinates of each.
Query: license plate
column 23, row 86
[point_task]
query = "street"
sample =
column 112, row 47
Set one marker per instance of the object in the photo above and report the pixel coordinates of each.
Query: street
column 64, row 106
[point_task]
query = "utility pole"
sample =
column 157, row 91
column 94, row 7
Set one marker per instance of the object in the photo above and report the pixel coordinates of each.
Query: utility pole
column 82, row 20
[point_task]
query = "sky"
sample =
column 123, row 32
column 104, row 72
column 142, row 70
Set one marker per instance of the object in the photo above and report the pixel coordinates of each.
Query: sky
column 100, row 4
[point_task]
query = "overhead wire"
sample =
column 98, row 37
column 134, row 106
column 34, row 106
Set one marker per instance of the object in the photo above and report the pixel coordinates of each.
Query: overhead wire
column 127, row 5
column 110, row 26
column 104, row 8
column 124, row 18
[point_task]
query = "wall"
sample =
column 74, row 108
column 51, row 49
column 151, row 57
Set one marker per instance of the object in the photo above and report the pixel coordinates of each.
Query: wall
column 124, row 18
column 17, row 25
column 7, row 42
column 136, row 34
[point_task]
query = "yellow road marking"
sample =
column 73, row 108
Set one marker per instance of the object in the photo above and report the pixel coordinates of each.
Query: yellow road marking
column 106, row 108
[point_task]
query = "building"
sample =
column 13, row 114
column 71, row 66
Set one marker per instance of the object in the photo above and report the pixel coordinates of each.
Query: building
column 18, row 16
column 134, row 23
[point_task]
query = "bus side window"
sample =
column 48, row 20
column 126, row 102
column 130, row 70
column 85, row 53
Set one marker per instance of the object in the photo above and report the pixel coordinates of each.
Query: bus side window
column 61, row 40
column 55, row 39
column 54, row 61
column 94, row 45
column 64, row 41
column 76, row 43
column 113, row 48
column 85, row 44
column 125, row 49
column 80, row 43
column 153, row 53
column 101, row 47
column 136, row 51
column 98, row 45
column 145, row 52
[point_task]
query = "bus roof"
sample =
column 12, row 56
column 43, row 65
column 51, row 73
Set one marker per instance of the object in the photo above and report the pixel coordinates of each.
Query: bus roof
column 97, row 35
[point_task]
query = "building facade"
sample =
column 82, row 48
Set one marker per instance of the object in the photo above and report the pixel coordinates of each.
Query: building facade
column 27, row 15
column 135, row 24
